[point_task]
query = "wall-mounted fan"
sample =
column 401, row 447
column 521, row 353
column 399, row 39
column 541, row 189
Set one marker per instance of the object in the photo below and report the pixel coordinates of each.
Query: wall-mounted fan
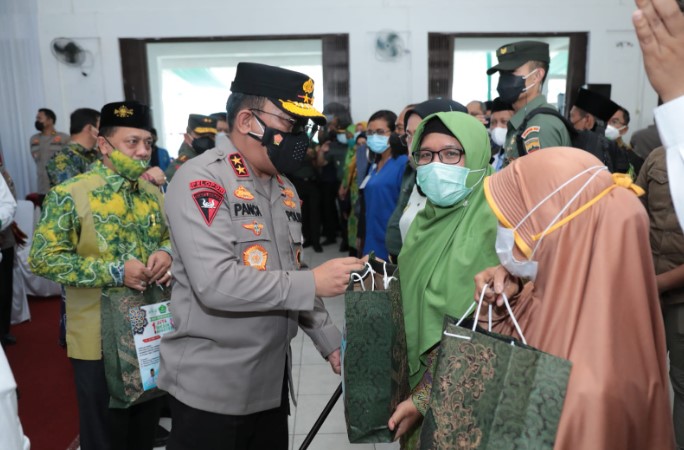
column 70, row 53
column 389, row 46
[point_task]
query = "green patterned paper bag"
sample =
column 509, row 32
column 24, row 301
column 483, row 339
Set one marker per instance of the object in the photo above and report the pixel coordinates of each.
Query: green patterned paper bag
column 118, row 347
column 492, row 392
column 374, row 370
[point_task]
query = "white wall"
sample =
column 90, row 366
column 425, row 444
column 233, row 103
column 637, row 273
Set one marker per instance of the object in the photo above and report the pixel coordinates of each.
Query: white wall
column 613, row 57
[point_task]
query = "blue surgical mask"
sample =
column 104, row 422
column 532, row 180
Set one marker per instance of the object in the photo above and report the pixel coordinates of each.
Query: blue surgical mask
column 444, row 184
column 377, row 144
column 342, row 138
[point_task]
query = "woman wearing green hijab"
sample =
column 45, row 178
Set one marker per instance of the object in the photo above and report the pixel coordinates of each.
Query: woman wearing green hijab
column 449, row 242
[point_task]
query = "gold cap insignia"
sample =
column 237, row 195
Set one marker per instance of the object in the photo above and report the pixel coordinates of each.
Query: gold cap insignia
column 308, row 86
column 504, row 50
column 122, row 111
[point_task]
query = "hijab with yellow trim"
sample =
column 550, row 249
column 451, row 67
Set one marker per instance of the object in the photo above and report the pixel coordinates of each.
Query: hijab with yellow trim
column 594, row 300
column 446, row 247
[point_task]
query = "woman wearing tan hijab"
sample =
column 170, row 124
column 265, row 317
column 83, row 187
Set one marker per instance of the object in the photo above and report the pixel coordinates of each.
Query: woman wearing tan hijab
column 580, row 236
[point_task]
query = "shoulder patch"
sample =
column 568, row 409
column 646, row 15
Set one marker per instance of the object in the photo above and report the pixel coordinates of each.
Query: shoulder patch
column 238, row 165
column 208, row 203
column 532, row 145
column 534, row 129
column 207, row 184
column 243, row 193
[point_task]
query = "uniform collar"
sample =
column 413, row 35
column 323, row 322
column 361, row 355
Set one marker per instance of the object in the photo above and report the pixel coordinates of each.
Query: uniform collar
column 519, row 116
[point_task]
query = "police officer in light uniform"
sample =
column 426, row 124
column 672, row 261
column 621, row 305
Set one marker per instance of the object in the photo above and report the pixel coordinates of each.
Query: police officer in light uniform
column 45, row 144
column 522, row 70
column 239, row 297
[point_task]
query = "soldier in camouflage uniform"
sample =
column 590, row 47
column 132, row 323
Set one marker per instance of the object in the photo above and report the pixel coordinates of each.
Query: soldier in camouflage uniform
column 522, row 68
column 102, row 231
column 200, row 136
column 76, row 157
column 45, row 144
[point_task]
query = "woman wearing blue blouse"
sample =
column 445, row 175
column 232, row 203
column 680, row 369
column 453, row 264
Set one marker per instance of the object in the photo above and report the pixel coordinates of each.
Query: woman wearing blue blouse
column 383, row 182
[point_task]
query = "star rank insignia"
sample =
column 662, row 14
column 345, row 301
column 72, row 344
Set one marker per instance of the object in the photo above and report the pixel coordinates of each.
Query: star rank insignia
column 255, row 227
column 208, row 203
column 238, row 165
column 243, row 193
column 255, row 256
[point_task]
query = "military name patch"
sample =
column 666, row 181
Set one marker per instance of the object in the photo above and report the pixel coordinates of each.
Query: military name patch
column 532, row 145
column 243, row 193
column 238, row 165
column 246, row 209
column 534, row 129
column 255, row 227
column 207, row 184
column 208, row 203
column 255, row 256
column 294, row 216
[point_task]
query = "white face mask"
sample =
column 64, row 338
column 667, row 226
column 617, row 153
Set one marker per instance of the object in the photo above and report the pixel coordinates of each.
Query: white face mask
column 505, row 237
column 612, row 133
column 499, row 136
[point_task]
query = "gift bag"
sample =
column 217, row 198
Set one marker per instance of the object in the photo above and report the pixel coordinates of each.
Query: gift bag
column 120, row 313
column 374, row 368
column 493, row 392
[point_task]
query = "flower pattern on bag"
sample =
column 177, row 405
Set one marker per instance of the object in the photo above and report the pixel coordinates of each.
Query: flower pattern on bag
column 478, row 362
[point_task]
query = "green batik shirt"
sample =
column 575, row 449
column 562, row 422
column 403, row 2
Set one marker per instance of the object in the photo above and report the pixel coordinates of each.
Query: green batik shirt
column 72, row 160
column 128, row 222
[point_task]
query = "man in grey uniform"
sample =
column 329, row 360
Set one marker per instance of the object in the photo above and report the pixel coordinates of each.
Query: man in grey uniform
column 239, row 297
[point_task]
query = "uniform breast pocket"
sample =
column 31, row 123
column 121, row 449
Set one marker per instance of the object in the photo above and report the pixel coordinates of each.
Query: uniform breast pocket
column 296, row 242
column 253, row 243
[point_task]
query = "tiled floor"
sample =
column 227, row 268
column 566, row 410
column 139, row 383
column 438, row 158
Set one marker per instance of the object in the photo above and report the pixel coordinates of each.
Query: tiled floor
column 315, row 382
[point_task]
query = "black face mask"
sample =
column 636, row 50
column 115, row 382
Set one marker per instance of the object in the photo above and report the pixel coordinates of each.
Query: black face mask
column 510, row 87
column 202, row 144
column 285, row 150
column 40, row 126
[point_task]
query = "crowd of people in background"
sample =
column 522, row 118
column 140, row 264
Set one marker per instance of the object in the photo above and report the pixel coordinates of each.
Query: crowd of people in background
column 507, row 192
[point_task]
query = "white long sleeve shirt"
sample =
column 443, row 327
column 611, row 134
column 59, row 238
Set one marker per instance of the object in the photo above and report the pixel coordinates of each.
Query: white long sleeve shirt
column 8, row 205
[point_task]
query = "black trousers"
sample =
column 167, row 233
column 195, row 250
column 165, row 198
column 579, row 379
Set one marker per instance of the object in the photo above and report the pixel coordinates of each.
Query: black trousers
column 329, row 215
column 104, row 428
column 195, row 429
column 6, row 270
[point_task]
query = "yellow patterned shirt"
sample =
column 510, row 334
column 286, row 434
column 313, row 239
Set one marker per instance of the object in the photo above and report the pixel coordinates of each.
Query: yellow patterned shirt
column 128, row 223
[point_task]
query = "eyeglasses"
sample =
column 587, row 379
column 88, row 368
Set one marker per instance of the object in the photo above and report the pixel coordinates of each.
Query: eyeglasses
column 293, row 125
column 617, row 123
column 379, row 132
column 447, row 155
